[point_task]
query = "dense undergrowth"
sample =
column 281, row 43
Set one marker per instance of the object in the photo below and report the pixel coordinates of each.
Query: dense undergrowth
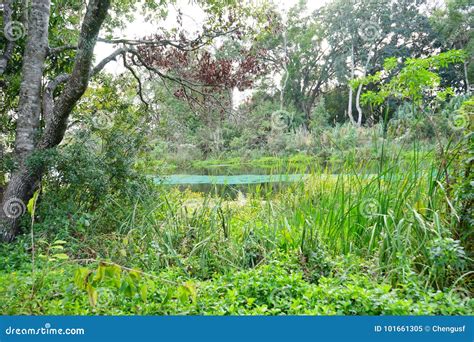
column 278, row 287
column 351, row 242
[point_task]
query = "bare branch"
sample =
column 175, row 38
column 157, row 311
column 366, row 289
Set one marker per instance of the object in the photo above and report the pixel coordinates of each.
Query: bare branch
column 59, row 49
column 187, row 45
column 139, row 82
column 112, row 57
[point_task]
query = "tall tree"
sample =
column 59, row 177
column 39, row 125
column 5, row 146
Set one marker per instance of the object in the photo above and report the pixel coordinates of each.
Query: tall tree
column 343, row 40
column 370, row 31
column 53, row 79
column 24, row 179
column 306, row 63
column 454, row 24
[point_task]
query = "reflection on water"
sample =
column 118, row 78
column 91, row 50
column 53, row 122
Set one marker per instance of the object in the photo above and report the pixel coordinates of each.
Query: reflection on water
column 263, row 180
column 231, row 186
column 250, row 169
column 266, row 179
column 228, row 180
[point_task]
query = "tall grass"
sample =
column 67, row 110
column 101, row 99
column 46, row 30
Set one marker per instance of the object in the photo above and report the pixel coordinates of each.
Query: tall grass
column 390, row 209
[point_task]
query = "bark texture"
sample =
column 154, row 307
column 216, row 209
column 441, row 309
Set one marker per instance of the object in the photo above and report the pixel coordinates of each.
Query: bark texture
column 8, row 51
column 21, row 185
column 25, row 179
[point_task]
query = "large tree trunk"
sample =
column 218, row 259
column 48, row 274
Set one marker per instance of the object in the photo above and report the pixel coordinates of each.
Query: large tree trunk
column 22, row 182
column 25, row 179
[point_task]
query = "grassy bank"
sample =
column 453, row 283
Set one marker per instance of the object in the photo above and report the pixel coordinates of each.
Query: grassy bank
column 338, row 243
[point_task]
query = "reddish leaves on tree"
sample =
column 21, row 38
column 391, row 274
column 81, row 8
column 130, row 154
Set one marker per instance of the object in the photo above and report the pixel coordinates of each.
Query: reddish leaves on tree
column 201, row 68
column 228, row 73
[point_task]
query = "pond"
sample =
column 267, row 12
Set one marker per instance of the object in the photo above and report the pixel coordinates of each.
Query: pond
column 229, row 186
column 228, row 179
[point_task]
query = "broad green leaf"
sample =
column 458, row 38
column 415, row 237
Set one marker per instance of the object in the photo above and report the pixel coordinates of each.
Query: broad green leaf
column 60, row 256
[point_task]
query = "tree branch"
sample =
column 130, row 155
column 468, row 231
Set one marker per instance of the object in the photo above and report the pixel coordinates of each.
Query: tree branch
column 139, row 82
column 48, row 95
column 112, row 57
column 59, row 49
column 77, row 83
column 188, row 45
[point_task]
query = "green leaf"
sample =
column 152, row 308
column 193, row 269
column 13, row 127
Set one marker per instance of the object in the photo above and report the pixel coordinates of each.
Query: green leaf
column 61, row 256
column 144, row 292
column 100, row 274
column 32, row 203
column 169, row 295
column 92, row 295
column 390, row 63
column 57, row 247
column 114, row 273
column 81, row 276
